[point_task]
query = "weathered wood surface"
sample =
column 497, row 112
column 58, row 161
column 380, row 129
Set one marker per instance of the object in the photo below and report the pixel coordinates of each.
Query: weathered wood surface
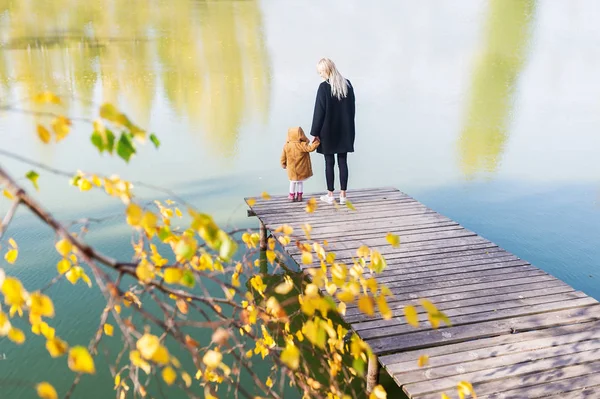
column 516, row 332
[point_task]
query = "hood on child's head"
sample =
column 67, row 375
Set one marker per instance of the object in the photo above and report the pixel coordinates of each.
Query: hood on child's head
column 296, row 134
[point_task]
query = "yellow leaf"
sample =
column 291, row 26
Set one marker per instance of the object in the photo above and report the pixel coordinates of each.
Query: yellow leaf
column 169, row 375
column 350, row 206
column 134, row 214
column 384, row 309
column 363, row 251
column 148, row 344
column 311, row 205
column 144, row 271
column 365, row 305
column 251, row 202
column 43, row 134
column 307, row 258
column 64, row 247
column 161, row 356
column 187, row 379
column 63, row 266
column 46, row 97
column 423, row 360
column 13, row 291
column 269, row 382
column 108, row 329
column 182, row 306
column 465, row 388
column 8, row 194
column 117, row 381
column 136, row 359
column 56, row 347
column 265, row 196
column 345, row 296
column 393, row 239
column 41, row 304
column 43, row 329
column 212, row 359
column 46, row 391
column 307, row 228
column 11, row 256
column 285, row 287
column 411, row 316
column 84, row 184
column 173, row 275
column 444, row 396
column 271, row 256
column 17, row 336
column 61, row 126
column 81, row 361
column 378, row 393
column 290, row 356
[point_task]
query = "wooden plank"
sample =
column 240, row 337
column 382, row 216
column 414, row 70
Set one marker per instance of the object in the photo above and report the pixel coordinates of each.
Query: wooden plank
column 473, row 289
column 486, row 298
column 367, row 204
column 354, row 243
column 319, row 219
column 445, row 271
column 591, row 379
column 530, row 384
column 440, row 378
column 494, row 346
column 371, row 192
column 416, row 248
column 444, row 336
column 418, row 253
column 537, row 309
column 474, row 308
column 333, row 238
column 487, row 348
column 468, row 277
column 395, row 274
column 351, row 226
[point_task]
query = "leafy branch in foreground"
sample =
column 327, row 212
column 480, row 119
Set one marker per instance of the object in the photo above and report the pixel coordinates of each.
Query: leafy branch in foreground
column 190, row 310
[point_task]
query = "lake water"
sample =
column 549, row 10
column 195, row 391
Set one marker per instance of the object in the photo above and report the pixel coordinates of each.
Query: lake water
column 488, row 111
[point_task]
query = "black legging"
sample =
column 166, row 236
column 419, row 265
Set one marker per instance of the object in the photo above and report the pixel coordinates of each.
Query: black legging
column 329, row 173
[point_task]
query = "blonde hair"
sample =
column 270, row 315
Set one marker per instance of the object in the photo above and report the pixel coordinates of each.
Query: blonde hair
column 339, row 84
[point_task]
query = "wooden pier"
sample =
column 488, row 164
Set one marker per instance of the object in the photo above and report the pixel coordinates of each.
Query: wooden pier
column 517, row 332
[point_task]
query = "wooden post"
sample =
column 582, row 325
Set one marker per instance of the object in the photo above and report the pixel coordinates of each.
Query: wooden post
column 372, row 373
column 264, row 267
column 263, row 236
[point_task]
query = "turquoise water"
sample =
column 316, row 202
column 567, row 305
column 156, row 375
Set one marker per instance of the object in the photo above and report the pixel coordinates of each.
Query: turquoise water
column 487, row 111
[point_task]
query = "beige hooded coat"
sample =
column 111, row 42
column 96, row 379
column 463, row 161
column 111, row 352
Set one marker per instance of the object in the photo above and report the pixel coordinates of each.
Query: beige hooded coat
column 295, row 157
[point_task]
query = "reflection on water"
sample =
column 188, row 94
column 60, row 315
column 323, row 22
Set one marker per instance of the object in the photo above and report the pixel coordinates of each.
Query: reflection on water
column 496, row 72
column 209, row 58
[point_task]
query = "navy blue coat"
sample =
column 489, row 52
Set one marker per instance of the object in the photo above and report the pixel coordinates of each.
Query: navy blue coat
column 333, row 121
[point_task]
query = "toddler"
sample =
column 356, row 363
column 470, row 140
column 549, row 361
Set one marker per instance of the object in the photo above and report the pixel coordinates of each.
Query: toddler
column 296, row 159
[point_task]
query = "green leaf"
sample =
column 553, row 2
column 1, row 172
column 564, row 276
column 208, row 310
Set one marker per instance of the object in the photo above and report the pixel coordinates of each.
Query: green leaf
column 359, row 366
column 164, row 232
column 110, row 141
column 155, row 140
column 106, row 143
column 33, row 177
column 98, row 142
column 125, row 148
column 75, row 180
column 188, row 279
column 110, row 112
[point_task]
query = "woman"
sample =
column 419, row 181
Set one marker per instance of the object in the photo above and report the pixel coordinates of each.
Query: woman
column 333, row 124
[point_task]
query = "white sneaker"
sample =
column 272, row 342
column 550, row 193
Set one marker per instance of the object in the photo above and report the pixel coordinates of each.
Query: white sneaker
column 342, row 200
column 327, row 199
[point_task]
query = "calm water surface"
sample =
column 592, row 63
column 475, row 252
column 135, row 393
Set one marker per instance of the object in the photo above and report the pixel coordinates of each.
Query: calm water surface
column 486, row 110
